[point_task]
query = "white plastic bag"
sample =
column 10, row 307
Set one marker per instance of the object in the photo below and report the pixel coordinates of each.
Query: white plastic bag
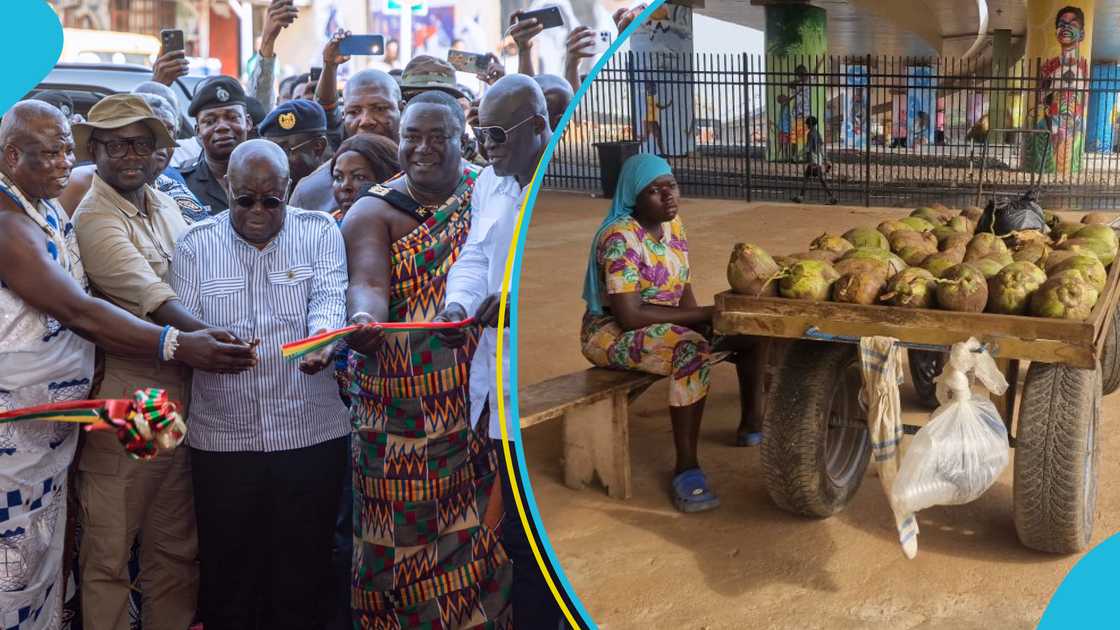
column 963, row 449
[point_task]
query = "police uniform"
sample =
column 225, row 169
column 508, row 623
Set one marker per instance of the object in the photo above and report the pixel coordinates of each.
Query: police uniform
column 217, row 92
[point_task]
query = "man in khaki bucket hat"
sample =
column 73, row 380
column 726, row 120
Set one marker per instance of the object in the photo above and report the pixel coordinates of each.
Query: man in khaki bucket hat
column 127, row 232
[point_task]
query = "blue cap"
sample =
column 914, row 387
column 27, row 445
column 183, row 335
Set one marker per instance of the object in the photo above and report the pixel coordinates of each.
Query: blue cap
column 292, row 117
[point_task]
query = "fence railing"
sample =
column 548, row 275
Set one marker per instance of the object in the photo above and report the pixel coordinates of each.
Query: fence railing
column 893, row 131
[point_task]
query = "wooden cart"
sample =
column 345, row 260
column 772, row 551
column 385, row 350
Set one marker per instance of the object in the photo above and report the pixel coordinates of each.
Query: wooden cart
column 817, row 445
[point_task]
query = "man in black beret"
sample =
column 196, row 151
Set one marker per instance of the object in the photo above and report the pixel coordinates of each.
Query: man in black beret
column 300, row 128
column 222, row 122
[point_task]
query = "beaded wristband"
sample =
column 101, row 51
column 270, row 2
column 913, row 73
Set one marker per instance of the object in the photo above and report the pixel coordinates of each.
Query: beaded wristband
column 161, row 352
column 172, row 343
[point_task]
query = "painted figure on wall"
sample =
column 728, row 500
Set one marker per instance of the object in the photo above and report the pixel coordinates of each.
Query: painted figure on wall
column 794, row 108
column 796, row 43
column 651, row 127
column 1062, row 110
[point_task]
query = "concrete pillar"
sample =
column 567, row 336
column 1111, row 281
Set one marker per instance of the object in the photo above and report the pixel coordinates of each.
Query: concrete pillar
column 796, row 45
column 1103, row 106
column 999, row 111
column 1060, row 38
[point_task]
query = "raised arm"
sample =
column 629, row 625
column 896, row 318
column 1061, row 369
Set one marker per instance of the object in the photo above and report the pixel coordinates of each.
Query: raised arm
column 326, row 91
column 368, row 240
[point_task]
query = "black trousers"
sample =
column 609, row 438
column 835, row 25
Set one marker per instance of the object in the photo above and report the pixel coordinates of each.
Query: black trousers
column 265, row 530
column 533, row 604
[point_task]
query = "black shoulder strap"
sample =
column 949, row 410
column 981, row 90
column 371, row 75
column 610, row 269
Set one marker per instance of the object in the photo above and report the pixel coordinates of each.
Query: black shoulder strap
column 398, row 200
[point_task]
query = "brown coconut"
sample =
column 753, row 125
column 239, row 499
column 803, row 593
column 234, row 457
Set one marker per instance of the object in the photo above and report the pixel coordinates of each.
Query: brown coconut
column 1096, row 218
column 858, row 288
column 955, row 241
column 1031, row 252
column 911, row 288
column 890, row 226
column 984, row 245
column 911, row 238
column 751, row 271
column 963, row 288
column 831, row 243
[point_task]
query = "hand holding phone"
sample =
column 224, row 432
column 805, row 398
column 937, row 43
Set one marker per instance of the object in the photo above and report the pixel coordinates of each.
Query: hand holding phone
column 362, row 45
column 548, row 17
column 474, row 63
column 172, row 61
column 171, row 39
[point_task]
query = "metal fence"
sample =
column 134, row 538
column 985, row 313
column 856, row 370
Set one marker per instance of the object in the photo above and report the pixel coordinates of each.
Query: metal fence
column 895, row 131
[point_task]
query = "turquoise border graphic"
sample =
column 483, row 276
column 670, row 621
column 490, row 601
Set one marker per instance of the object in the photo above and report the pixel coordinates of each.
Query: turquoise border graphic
column 33, row 31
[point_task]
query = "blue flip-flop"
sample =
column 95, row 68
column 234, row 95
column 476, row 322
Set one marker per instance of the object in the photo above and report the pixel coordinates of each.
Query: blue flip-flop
column 691, row 492
column 748, row 439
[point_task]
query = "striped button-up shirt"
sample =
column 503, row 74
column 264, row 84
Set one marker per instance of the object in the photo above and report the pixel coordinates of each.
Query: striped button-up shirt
column 293, row 287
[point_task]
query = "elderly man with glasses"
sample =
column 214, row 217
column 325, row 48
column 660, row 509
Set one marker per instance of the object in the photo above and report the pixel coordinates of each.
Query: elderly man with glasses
column 268, row 447
column 299, row 127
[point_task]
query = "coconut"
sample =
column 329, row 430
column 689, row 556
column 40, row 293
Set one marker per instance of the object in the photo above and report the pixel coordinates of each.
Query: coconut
column 929, row 214
column 972, row 213
column 888, row 227
column 1096, row 218
column 909, row 238
column 1093, row 246
column 1031, row 252
column 785, row 262
column 1064, row 230
column 983, row 245
column 1010, row 290
column 917, row 223
column 990, row 266
column 816, row 254
column 1055, row 258
column 866, row 237
column 962, row 288
column 912, row 288
column 942, row 232
column 808, row 280
column 858, row 288
column 939, row 262
column 750, row 271
column 1103, row 233
column 955, row 241
column 863, row 265
column 895, row 263
column 961, row 224
column 1067, row 295
column 1088, row 266
column 831, row 243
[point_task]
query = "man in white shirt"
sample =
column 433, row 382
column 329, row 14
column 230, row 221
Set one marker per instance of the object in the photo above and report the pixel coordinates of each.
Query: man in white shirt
column 514, row 128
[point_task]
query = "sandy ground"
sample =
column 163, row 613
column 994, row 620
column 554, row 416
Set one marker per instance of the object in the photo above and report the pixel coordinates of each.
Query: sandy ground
column 640, row 564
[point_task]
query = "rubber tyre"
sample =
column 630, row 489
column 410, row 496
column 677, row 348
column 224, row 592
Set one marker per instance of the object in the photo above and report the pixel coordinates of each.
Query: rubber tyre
column 1110, row 356
column 922, row 378
column 1056, row 458
column 795, row 450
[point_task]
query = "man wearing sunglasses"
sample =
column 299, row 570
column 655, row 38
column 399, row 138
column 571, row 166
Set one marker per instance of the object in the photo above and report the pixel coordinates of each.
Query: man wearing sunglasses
column 514, row 130
column 268, row 447
column 299, row 127
column 127, row 232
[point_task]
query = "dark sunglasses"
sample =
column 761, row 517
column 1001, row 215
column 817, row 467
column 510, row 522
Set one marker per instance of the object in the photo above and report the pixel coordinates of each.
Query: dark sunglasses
column 142, row 147
column 268, row 203
column 496, row 134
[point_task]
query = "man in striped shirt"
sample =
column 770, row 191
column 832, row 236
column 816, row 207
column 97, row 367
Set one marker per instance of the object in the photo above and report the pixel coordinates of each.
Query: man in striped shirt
column 267, row 446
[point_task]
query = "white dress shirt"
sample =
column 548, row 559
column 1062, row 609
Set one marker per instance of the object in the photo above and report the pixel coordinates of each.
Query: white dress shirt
column 293, row 287
column 478, row 272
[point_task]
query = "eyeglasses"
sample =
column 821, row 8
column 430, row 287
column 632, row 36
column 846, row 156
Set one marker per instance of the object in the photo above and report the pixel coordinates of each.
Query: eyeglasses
column 292, row 150
column 268, row 203
column 142, row 147
column 497, row 134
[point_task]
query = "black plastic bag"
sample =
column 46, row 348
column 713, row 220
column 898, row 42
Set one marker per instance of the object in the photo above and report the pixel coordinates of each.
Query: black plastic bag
column 1006, row 215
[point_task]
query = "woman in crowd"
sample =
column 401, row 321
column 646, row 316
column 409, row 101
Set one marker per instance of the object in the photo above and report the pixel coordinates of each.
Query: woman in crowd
column 361, row 161
column 642, row 314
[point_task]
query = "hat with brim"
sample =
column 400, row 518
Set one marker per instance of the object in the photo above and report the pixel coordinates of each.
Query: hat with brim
column 425, row 72
column 115, row 112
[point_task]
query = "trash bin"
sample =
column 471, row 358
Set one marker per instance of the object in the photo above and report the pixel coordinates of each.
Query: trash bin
column 611, row 157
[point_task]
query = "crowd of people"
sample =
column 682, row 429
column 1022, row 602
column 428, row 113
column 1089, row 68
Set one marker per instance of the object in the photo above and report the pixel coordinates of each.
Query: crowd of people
column 363, row 486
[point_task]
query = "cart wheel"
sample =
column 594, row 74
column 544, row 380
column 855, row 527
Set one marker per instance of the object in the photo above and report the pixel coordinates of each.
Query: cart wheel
column 1110, row 356
column 925, row 365
column 817, row 445
column 1056, row 458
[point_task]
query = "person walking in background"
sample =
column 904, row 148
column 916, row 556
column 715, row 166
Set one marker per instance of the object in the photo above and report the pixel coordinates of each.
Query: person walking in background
column 651, row 127
column 815, row 165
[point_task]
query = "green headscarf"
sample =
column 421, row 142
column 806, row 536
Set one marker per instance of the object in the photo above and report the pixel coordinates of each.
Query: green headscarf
column 637, row 173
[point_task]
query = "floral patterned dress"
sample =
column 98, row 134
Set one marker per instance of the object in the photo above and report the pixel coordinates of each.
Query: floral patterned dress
column 634, row 260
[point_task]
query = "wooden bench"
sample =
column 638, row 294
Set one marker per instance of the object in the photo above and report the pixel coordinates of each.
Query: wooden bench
column 595, row 407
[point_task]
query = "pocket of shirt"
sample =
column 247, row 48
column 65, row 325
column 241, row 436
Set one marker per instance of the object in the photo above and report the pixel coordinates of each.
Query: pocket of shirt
column 223, row 300
column 290, row 291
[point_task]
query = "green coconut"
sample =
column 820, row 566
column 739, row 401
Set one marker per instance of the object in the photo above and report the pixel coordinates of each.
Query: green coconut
column 1102, row 233
column 989, row 266
column 1010, row 290
column 1088, row 266
column 890, row 226
column 962, row 288
column 808, row 280
column 938, row 263
column 918, row 223
column 1096, row 218
column 895, row 263
column 1067, row 295
column 1056, row 257
column 911, row 238
column 955, row 241
column 751, row 270
column 866, row 237
column 831, row 243
column 858, row 288
column 911, row 288
column 960, row 224
column 1031, row 252
column 983, row 245
column 972, row 213
column 816, row 254
column 1093, row 246
column 1064, row 230
column 929, row 214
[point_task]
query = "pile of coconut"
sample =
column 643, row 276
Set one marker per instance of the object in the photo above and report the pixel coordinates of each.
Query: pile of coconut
column 934, row 258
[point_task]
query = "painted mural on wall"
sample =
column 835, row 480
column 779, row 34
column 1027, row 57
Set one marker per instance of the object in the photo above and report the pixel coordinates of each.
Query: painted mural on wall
column 1060, row 35
column 662, row 89
column 855, row 91
column 921, row 105
column 796, row 45
column 1104, row 107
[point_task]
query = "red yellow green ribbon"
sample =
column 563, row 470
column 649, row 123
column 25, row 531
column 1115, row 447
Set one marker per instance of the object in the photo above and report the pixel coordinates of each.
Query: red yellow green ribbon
column 144, row 424
column 296, row 349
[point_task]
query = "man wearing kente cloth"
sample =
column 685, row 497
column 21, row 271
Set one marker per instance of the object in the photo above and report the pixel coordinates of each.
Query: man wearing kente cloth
column 426, row 550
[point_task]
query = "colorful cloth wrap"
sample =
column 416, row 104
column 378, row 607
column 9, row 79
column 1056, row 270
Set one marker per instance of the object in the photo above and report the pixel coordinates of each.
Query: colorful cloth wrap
column 297, row 349
column 144, row 425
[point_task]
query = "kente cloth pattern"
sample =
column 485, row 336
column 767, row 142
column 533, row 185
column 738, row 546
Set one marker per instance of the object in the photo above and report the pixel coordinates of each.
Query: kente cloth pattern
column 41, row 362
column 422, row 475
column 636, row 261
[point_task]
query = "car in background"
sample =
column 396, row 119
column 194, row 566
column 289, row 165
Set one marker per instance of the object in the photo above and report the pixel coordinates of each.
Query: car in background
column 89, row 46
column 88, row 83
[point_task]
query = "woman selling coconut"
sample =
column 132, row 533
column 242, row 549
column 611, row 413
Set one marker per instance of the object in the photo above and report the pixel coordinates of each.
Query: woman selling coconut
column 641, row 312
